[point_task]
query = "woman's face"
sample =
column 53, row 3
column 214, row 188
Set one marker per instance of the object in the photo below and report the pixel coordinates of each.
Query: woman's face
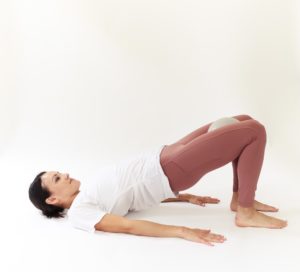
column 62, row 187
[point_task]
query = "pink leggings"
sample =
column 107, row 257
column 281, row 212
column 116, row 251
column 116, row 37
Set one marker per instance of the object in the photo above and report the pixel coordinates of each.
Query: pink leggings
column 187, row 160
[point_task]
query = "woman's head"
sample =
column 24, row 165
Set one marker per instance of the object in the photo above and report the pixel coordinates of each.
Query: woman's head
column 52, row 192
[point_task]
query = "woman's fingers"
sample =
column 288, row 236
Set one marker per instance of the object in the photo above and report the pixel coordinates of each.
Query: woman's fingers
column 213, row 237
column 205, row 241
column 203, row 236
column 200, row 200
column 209, row 199
column 210, row 240
column 217, row 239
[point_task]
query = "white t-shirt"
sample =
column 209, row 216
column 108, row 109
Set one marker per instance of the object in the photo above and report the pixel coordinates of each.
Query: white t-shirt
column 133, row 184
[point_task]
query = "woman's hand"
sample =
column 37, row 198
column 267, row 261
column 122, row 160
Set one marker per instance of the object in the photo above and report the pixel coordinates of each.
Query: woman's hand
column 194, row 199
column 203, row 236
column 200, row 200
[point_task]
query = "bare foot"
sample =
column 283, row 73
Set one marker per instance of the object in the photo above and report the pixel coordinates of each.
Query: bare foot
column 250, row 217
column 256, row 204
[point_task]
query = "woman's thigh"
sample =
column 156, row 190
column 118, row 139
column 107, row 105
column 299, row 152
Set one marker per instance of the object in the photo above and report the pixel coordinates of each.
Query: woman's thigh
column 203, row 129
column 185, row 164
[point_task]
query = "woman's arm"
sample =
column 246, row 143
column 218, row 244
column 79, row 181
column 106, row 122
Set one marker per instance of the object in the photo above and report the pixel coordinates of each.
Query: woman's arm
column 115, row 223
column 147, row 228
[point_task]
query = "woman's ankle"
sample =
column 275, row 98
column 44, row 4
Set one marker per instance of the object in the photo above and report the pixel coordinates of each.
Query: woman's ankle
column 235, row 194
column 245, row 211
column 235, row 197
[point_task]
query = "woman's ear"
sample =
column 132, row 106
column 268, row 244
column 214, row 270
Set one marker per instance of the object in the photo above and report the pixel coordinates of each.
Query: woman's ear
column 52, row 200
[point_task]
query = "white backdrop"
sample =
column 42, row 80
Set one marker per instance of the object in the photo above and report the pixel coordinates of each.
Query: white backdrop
column 83, row 83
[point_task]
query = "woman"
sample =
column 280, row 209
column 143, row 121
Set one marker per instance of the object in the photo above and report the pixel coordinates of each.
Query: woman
column 142, row 181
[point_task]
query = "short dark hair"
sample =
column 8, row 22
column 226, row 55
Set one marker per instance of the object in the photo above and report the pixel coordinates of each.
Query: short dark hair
column 38, row 196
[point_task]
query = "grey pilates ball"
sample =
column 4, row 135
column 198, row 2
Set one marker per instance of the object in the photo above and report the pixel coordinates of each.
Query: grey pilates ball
column 222, row 122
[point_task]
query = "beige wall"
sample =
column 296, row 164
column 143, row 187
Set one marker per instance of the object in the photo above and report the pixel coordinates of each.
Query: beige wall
column 105, row 78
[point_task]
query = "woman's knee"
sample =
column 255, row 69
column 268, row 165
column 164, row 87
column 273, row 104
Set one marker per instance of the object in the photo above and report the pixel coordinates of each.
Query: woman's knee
column 259, row 129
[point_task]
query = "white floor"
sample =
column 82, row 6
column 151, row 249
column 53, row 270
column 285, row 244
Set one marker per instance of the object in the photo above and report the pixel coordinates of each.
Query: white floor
column 38, row 244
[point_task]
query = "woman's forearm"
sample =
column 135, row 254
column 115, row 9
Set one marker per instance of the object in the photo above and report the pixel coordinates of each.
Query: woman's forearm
column 147, row 228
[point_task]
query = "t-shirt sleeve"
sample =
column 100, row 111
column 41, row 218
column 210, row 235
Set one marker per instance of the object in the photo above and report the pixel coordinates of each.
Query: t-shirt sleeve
column 86, row 216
